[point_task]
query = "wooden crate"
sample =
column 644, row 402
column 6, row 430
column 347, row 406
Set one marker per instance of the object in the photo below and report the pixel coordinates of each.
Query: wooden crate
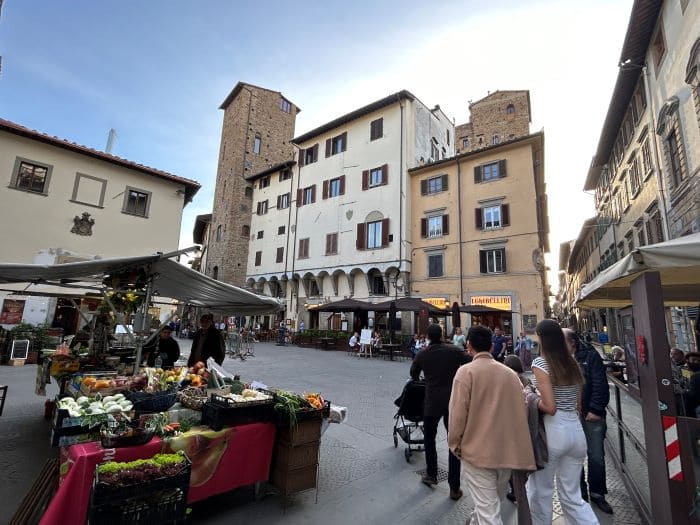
column 17, row 362
column 288, row 457
column 304, row 432
column 296, row 480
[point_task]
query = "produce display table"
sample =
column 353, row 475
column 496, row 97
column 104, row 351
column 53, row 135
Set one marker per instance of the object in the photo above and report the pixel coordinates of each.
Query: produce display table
column 221, row 461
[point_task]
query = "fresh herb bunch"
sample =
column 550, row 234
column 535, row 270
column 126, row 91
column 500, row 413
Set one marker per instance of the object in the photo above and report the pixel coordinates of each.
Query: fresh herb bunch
column 122, row 473
column 288, row 404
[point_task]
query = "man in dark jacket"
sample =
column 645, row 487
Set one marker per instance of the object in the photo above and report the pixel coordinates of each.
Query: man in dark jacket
column 439, row 363
column 596, row 395
column 207, row 343
column 166, row 347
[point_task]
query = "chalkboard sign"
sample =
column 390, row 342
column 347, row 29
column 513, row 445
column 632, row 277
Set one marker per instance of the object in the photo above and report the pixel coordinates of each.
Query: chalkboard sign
column 20, row 349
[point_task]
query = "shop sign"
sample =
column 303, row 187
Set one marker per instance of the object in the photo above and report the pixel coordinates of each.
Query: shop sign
column 438, row 302
column 500, row 302
column 12, row 311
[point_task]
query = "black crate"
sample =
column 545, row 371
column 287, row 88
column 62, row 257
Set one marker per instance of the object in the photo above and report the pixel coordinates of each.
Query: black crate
column 221, row 411
column 154, row 502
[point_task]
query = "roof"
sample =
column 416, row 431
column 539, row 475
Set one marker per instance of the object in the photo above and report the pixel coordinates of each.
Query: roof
column 640, row 28
column 585, row 230
column 525, row 138
column 200, row 224
column 272, row 169
column 240, row 85
column 354, row 115
column 191, row 186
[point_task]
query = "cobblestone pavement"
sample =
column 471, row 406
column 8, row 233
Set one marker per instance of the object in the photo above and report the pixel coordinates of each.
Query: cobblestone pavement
column 362, row 477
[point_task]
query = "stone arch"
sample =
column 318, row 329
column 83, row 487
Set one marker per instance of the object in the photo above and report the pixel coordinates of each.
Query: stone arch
column 260, row 284
column 351, row 279
column 250, row 283
column 374, row 216
column 376, row 282
column 334, row 280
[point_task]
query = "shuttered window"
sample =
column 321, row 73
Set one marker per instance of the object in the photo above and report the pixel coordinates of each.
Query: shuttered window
column 258, row 258
column 280, row 255
column 283, row 201
column 262, row 207
column 334, row 187
column 376, row 129
column 492, row 261
column 331, row 244
column 306, row 195
column 285, row 175
column 303, row 248
column 492, row 217
column 373, row 235
column 308, row 155
column 336, row 144
column 264, row 182
column 433, row 185
column 436, row 266
column 490, row 171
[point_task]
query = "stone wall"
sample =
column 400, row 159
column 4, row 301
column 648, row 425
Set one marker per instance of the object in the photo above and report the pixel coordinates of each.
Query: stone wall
column 253, row 112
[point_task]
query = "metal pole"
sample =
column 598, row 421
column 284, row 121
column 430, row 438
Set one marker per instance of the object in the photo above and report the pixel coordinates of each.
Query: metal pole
column 142, row 328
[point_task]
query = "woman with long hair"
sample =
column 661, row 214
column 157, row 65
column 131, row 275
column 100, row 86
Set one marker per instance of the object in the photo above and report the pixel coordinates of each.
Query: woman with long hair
column 559, row 380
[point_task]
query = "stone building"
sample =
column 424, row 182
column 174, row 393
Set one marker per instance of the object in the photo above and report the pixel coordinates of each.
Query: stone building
column 480, row 232
column 496, row 118
column 257, row 131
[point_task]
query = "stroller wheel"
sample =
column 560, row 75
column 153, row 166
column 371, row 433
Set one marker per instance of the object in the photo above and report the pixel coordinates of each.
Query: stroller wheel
column 396, row 440
column 407, row 454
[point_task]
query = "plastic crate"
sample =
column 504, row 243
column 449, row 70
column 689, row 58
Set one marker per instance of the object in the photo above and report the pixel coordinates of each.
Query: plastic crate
column 300, row 434
column 145, row 402
column 221, row 411
column 154, row 502
column 296, row 480
column 294, row 457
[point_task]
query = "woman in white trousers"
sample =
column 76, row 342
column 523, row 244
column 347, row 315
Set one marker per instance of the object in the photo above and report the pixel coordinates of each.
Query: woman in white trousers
column 558, row 380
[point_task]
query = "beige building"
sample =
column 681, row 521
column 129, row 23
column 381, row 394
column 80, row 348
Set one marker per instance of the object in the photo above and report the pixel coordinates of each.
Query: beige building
column 257, row 133
column 496, row 118
column 481, row 230
column 63, row 202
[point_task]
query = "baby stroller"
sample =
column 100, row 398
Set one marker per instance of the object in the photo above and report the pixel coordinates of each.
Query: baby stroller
column 408, row 421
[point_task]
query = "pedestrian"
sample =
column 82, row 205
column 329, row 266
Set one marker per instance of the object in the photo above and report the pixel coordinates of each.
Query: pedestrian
column 523, row 349
column 558, row 379
column 301, row 326
column 413, row 346
column 354, row 341
column 499, row 345
column 459, row 339
column 438, row 363
column 208, row 342
column 166, row 347
column 488, row 427
column 594, row 400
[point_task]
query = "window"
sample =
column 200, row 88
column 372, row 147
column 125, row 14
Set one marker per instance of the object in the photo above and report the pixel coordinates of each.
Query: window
column 303, row 248
column 655, row 232
column 136, row 202
column 331, row 244
column 635, row 184
column 261, row 233
column 258, row 258
column 433, row 185
column 496, row 139
column 374, row 234
column 465, row 142
column 434, row 152
column 492, row 217
column 215, row 272
column 29, row 176
column 658, row 47
column 510, row 110
column 434, row 227
column 641, row 239
column 313, row 288
column 447, row 135
column 245, row 231
column 257, row 144
column 337, row 144
column 378, row 285
column 646, row 158
column 674, row 157
column 218, row 232
column 249, row 192
column 375, row 177
column 334, row 187
column 281, row 230
column 285, row 175
column 490, row 171
column 629, row 240
column 308, row 155
column 283, row 201
column 308, row 197
column 262, row 207
column 624, row 192
column 280, row 255
column 436, row 265
column 376, row 129
column 264, row 182
column 285, row 105
column 492, row 261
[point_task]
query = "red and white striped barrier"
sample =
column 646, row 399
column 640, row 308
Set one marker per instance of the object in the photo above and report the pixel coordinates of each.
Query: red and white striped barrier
column 673, row 448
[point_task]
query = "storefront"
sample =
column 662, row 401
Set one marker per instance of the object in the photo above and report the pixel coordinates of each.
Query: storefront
column 501, row 315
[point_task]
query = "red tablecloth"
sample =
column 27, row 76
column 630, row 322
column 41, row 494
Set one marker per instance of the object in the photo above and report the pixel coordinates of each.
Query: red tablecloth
column 221, row 461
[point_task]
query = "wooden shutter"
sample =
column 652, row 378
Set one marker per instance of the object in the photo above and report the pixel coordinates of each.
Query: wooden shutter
column 379, row 128
column 315, row 152
column 503, row 258
column 334, row 242
column 360, row 241
column 424, row 228
column 478, row 219
column 280, row 255
column 445, row 225
column 257, row 211
column 444, row 182
column 258, row 258
column 328, row 147
column 313, row 193
column 365, row 179
column 279, row 199
column 345, row 140
column 385, row 174
column 342, row 184
column 325, row 189
column 424, row 187
column 505, row 215
column 299, row 192
column 477, row 174
column 328, row 243
column 302, row 156
column 483, row 267
column 385, row 232
column 501, row 168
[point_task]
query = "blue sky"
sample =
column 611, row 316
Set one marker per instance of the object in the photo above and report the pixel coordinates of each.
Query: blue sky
column 157, row 72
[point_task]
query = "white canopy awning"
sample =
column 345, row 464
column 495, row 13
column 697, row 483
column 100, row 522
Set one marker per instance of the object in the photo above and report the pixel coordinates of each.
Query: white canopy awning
column 171, row 279
column 677, row 261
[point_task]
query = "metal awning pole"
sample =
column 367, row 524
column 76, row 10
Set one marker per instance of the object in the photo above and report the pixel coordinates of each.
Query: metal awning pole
column 143, row 324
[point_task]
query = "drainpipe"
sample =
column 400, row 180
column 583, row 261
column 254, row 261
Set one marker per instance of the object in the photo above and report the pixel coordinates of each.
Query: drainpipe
column 401, row 196
column 296, row 229
column 459, row 217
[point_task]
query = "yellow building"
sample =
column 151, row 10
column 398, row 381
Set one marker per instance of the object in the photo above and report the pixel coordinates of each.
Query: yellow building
column 480, row 231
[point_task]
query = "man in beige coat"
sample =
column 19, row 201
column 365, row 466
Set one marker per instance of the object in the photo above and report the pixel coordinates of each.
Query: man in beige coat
column 488, row 427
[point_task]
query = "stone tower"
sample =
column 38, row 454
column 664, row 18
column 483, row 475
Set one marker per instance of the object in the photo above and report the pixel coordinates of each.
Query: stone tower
column 499, row 117
column 256, row 134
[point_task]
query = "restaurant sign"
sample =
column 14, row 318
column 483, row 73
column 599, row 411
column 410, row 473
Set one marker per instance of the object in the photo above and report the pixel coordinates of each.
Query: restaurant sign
column 500, row 302
column 438, row 302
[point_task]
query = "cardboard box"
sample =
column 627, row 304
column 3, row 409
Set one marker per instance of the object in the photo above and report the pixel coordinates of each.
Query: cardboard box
column 17, row 362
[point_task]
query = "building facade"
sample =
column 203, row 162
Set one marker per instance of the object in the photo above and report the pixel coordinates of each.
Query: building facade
column 336, row 223
column 63, row 202
column 480, row 231
column 499, row 117
column 257, row 132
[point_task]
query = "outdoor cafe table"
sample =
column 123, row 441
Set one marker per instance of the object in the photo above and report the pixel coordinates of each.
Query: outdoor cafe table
column 391, row 347
column 221, row 461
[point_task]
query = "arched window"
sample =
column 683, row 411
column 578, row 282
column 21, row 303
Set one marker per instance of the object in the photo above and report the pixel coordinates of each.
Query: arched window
column 496, row 139
column 218, row 232
column 245, row 231
column 215, row 272
column 249, row 192
column 510, row 110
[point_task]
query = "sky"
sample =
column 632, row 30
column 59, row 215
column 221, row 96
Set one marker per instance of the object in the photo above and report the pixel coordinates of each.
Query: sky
column 157, row 72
